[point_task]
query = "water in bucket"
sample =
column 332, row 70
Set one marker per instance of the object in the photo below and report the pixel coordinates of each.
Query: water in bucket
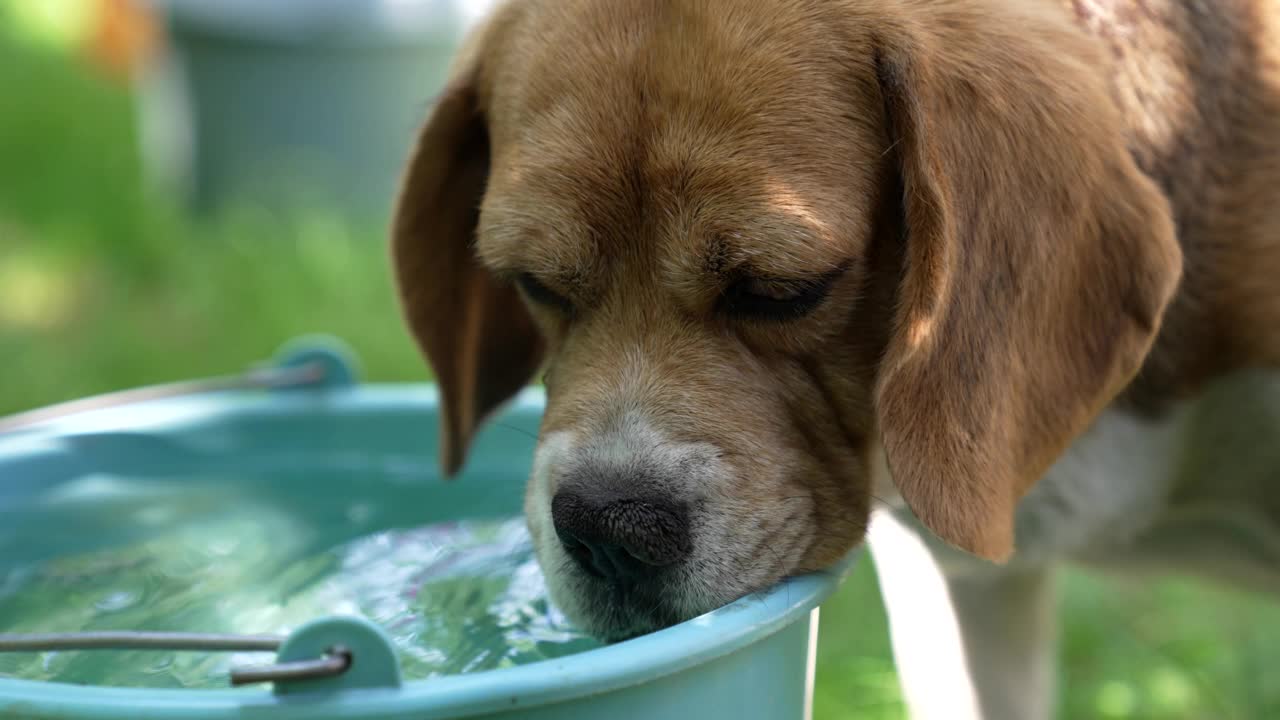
column 455, row 597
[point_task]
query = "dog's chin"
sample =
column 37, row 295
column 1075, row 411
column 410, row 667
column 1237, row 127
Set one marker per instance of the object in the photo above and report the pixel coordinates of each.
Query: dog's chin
column 612, row 613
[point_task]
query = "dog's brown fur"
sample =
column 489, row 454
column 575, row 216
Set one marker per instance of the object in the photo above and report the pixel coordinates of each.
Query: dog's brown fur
column 1199, row 85
column 1003, row 180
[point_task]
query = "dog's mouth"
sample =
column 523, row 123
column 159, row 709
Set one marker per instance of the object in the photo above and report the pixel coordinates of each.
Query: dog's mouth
column 613, row 611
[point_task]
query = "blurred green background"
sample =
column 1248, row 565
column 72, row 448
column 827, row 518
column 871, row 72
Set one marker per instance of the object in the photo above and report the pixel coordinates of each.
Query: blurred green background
column 106, row 284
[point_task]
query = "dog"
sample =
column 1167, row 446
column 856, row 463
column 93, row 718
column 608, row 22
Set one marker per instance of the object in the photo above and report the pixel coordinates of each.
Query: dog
column 1003, row 274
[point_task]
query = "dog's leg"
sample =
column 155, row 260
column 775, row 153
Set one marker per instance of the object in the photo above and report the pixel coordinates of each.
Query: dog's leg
column 969, row 645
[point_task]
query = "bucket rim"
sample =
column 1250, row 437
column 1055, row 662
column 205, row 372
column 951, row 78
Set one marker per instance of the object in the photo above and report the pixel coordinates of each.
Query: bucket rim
column 692, row 643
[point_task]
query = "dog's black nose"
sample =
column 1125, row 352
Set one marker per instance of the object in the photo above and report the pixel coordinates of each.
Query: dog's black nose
column 620, row 539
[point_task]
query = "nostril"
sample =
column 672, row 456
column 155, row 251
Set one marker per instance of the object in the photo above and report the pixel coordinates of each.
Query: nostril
column 606, row 561
column 620, row 539
column 651, row 534
column 582, row 554
column 621, row 563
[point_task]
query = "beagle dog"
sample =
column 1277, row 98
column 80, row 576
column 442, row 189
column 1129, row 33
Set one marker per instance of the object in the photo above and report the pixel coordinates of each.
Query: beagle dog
column 1004, row 272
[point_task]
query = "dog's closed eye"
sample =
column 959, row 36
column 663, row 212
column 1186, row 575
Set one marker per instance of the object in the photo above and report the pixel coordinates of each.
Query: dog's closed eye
column 774, row 299
column 539, row 293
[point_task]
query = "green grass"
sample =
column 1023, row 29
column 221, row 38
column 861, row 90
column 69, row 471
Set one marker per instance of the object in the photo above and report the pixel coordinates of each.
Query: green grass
column 105, row 286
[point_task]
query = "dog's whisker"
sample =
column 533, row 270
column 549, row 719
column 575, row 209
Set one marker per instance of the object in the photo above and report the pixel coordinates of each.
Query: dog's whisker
column 519, row 430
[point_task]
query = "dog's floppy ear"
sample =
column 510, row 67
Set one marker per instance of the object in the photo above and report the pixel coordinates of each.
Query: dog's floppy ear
column 1038, row 265
column 474, row 331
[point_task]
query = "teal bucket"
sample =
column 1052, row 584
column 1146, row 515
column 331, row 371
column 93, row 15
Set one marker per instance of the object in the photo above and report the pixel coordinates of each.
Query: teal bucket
column 287, row 103
column 750, row 660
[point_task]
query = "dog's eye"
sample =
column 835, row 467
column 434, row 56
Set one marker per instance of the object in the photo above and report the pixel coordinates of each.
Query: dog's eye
column 541, row 294
column 772, row 299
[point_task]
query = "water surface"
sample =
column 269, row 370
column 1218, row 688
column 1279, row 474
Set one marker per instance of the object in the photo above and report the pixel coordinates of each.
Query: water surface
column 455, row 597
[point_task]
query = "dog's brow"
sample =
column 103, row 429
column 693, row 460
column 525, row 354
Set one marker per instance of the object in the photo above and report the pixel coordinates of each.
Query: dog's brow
column 797, row 260
column 810, row 277
column 570, row 279
column 509, row 247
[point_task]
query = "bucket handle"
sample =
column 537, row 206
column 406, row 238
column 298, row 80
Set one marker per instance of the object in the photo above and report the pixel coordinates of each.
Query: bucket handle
column 332, row 663
column 307, row 362
column 322, row 654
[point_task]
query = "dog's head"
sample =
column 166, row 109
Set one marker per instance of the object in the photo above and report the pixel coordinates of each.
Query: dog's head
column 755, row 244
